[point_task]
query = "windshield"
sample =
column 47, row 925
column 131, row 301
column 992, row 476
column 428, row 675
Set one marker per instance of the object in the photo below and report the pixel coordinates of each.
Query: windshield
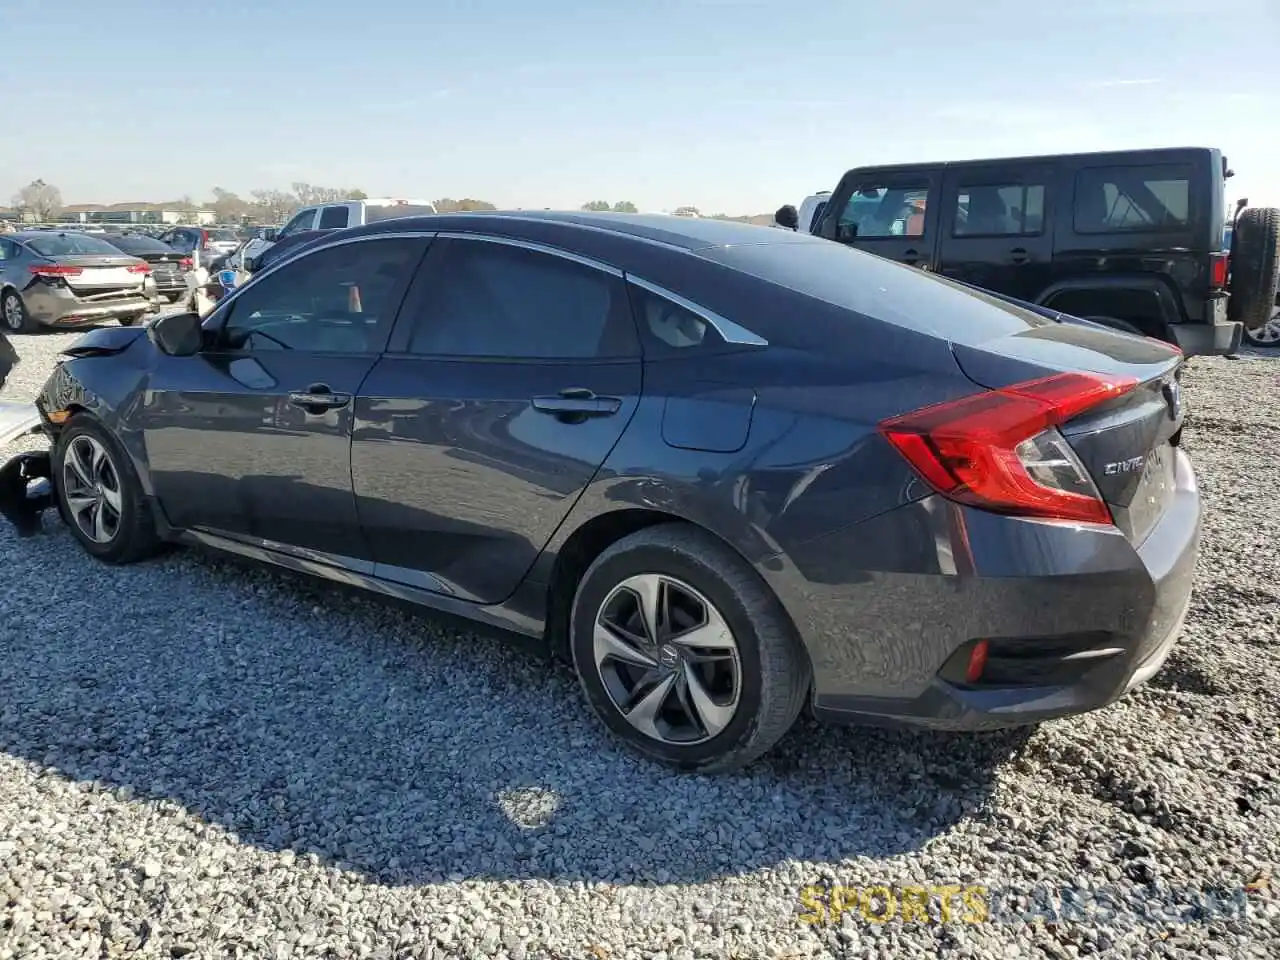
column 222, row 236
column 71, row 245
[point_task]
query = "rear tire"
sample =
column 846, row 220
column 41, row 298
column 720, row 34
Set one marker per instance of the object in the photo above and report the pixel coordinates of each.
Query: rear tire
column 129, row 321
column 89, row 464
column 13, row 313
column 726, row 701
column 1255, row 267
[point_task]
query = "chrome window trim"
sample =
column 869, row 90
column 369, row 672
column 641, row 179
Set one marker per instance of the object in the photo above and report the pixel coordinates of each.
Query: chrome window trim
column 729, row 331
column 226, row 304
column 534, row 247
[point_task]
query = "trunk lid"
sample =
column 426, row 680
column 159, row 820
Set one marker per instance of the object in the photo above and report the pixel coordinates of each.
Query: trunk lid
column 101, row 272
column 1128, row 444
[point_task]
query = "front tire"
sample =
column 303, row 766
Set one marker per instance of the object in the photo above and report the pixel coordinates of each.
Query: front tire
column 13, row 313
column 129, row 321
column 684, row 651
column 99, row 494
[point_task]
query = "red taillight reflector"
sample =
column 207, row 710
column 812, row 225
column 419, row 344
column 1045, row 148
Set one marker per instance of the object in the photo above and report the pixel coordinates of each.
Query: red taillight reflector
column 980, row 450
column 186, row 263
column 1219, row 264
column 54, row 270
column 977, row 662
column 139, row 268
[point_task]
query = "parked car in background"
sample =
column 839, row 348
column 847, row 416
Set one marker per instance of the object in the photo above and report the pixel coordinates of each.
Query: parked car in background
column 209, row 243
column 347, row 213
column 811, row 209
column 168, row 266
column 68, row 279
column 1130, row 239
column 923, row 504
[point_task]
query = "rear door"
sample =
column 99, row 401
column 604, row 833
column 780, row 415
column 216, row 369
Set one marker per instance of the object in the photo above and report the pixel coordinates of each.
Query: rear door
column 891, row 212
column 510, row 376
column 994, row 231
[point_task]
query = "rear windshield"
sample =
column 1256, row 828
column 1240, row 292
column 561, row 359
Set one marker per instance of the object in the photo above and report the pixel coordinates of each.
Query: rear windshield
column 391, row 211
column 222, row 235
column 70, row 245
column 881, row 289
column 139, row 244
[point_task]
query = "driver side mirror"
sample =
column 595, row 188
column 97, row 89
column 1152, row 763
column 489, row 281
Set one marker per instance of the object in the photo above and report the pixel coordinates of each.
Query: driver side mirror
column 177, row 334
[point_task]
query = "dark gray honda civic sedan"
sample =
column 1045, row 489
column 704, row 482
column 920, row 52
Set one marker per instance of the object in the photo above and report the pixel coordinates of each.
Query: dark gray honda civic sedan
column 727, row 471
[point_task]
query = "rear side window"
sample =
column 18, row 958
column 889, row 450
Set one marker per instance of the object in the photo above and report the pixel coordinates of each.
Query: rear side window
column 999, row 210
column 1120, row 199
column 222, row 236
column 668, row 328
column 814, row 220
column 332, row 218
column 487, row 299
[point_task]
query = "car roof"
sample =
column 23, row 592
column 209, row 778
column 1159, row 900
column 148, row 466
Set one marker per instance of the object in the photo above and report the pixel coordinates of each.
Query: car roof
column 1117, row 157
column 682, row 233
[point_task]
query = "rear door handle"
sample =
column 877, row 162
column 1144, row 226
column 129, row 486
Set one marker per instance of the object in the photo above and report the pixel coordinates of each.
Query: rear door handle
column 577, row 403
column 1018, row 255
column 318, row 398
column 909, row 257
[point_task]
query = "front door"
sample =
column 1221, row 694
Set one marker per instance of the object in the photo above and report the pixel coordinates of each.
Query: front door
column 995, row 231
column 511, row 374
column 891, row 213
column 252, row 437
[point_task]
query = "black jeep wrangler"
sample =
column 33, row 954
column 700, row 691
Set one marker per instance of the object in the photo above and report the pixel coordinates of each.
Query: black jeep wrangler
column 1131, row 239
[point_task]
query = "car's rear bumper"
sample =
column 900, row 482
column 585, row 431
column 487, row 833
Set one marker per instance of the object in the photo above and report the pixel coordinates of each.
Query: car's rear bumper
column 61, row 307
column 1208, row 339
column 1076, row 616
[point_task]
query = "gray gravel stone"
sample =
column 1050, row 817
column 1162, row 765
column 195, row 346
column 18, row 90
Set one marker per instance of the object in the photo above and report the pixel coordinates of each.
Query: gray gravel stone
column 202, row 759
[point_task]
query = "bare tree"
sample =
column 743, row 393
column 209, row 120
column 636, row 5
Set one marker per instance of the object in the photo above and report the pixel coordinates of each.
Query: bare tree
column 274, row 205
column 39, row 199
column 227, row 206
column 309, row 193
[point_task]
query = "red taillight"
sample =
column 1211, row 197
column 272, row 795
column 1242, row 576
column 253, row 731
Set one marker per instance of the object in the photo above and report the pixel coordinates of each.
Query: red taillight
column 186, row 263
column 977, row 662
column 54, row 270
column 1000, row 450
column 139, row 268
column 1219, row 264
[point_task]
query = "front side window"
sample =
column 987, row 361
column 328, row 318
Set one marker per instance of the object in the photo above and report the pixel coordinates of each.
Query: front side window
column 999, row 210
column 302, row 220
column 338, row 300
column 1119, row 199
column 497, row 300
column 882, row 211
column 333, row 218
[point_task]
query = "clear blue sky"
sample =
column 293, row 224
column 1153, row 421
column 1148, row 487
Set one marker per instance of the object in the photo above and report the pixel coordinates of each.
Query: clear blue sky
column 730, row 105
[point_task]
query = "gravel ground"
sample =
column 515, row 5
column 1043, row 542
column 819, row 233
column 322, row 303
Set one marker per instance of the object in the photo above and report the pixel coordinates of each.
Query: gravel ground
column 199, row 759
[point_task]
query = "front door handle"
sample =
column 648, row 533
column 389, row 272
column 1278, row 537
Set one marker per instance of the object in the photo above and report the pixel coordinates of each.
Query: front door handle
column 576, row 404
column 909, row 257
column 1018, row 255
column 319, row 398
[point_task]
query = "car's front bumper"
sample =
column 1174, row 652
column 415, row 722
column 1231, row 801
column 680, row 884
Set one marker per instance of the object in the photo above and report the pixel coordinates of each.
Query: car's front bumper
column 59, row 306
column 886, row 609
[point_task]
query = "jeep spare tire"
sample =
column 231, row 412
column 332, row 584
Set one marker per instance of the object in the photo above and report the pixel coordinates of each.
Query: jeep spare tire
column 1255, row 266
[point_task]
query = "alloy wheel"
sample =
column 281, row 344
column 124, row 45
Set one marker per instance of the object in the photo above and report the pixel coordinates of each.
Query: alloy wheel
column 1269, row 334
column 91, row 486
column 13, row 313
column 667, row 659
